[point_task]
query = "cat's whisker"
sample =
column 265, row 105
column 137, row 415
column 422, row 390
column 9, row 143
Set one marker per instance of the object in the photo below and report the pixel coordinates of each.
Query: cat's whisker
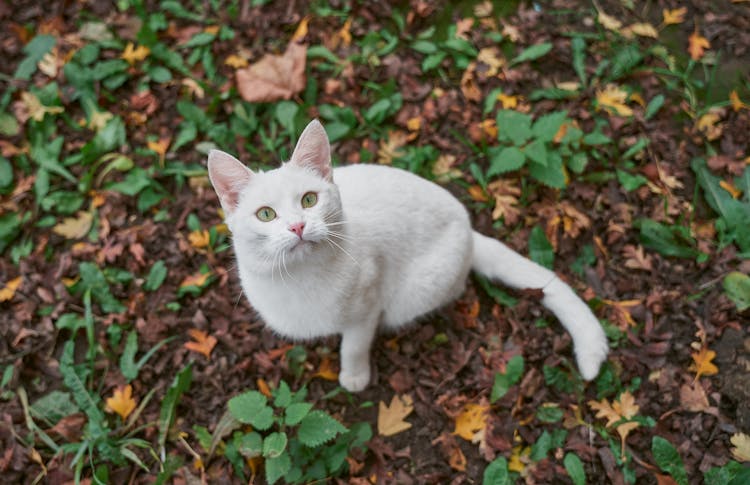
column 328, row 239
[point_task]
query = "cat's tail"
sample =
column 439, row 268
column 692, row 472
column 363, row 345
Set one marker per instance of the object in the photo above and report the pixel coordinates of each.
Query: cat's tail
column 498, row 262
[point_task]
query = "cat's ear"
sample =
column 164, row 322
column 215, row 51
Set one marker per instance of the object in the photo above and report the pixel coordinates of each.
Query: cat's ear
column 228, row 176
column 313, row 151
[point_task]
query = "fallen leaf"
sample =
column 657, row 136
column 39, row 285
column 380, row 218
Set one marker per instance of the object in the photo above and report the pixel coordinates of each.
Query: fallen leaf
column 9, row 290
column 636, row 258
column 274, row 77
column 32, row 107
column 75, row 227
column 202, row 342
column 99, row 120
column 449, row 448
column 737, row 103
column 508, row 101
column 301, row 30
column 131, row 54
column 693, row 397
column 702, row 365
column 345, row 33
column 709, row 125
column 122, row 401
column 198, row 279
column 518, row 458
column 469, row 86
column 70, row 427
column 741, row 450
column 623, row 408
column 613, row 98
column 608, row 22
column 472, row 419
column 642, row 29
column 326, row 370
column 729, row 187
column 235, row 61
column 443, row 169
column 505, row 193
column 49, row 63
column 390, row 148
column 492, row 58
column 391, row 418
column 674, row 16
column 193, row 88
column 697, row 45
column 160, row 147
column 621, row 313
column 199, row 238
column 477, row 193
column 263, row 387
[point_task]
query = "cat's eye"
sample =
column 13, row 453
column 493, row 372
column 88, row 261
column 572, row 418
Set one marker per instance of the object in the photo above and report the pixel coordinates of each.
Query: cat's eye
column 266, row 214
column 309, row 200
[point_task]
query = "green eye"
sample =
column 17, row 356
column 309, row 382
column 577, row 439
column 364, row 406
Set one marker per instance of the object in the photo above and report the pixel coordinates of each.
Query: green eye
column 266, row 214
column 309, row 200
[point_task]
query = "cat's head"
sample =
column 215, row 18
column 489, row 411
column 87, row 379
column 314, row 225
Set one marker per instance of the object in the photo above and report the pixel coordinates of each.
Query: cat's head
column 285, row 214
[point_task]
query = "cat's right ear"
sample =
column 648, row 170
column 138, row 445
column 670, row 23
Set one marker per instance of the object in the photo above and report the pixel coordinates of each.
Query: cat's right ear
column 229, row 177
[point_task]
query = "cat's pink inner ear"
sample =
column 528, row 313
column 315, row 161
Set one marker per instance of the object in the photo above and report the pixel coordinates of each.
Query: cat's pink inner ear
column 313, row 151
column 229, row 177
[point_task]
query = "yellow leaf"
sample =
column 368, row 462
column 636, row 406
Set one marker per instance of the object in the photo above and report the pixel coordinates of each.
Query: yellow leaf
column 737, row 103
column 235, row 61
column 621, row 313
column 326, row 371
column 608, row 22
column 390, row 148
column 674, row 16
column 519, row 458
column 697, row 45
column 709, row 125
column 160, row 147
column 702, row 365
column 202, row 342
column 131, row 54
column 391, row 418
column 613, row 98
column 733, row 191
column 741, row 450
column 642, row 29
column 301, row 31
column 7, row 292
column 443, row 169
column 345, row 33
column 491, row 57
column 414, row 124
column 624, row 408
column 476, row 192
column 472, row 419
column 199, row 238
column 99, row 120
column 195, row 280
column 212, row 29
column 75, row 227
column 122, row 401
column 508, row 101
column 35, row 109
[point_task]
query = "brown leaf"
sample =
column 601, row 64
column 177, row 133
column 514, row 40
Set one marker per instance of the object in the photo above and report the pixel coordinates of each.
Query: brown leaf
column 469, row 84
column 693, row 397
column 202, row 342
column 75, row 227
column 636, row 258
column 70, row 427
column 391, row 418
column 274, row 77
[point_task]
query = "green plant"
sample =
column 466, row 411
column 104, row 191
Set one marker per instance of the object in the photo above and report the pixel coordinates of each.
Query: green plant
column 297, row 443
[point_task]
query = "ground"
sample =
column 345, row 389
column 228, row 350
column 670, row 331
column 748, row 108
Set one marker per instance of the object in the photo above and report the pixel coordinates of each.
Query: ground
column 633, row 183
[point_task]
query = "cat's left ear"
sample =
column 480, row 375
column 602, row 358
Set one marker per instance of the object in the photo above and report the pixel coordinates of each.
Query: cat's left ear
column 313, row 151
column 229, row 177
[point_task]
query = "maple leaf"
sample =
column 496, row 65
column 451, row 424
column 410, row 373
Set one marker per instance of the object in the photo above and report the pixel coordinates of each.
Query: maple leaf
column 697, row 45
column 702, row 365
column 199, row 238
column 9, row 290
column 202, row 342
column 741, row 450
column 613, row 98
column 472, row 419
column 737, row 103
column 131, row 54
column 391, row 417
column 122, row 401
column 274, row 77
column 75, row 227
column 674, row 16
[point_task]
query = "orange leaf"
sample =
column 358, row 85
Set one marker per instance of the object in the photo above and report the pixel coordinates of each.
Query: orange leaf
column 737, row 103
column 697, row 45
column 199, row 238
column 326, row 371
column 122, row 401
column 702, row 365
column 203, row 343
column 391, row 418
column 733, row 191
column 263, row 387
column 235, row 61
column 195, row 280
column 160, row 147
column 477, row 193
column 7, row 292
column 301, row 31
column 472, row 419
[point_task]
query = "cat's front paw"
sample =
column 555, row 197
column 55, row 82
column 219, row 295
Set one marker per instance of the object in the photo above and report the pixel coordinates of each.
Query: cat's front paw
column 354, row 382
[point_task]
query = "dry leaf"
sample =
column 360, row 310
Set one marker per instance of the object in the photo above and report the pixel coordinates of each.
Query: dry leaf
column 326, row 370
column 636, row 258
column 390, row 148
column 122, row 401
column 263, row 387
column 472, row 419
column 476, row 192
column 31, row 107
column 469, row 85
column 622, row 408
column 199, row 238
column 492, row 57
column 160, row 147
column 613, row 97
column 693, row 397
column 391, row 418
column 508, row 101
column 131, row 54
column 274, row 77
column 709, row 125
column 75, row 227
column 414, row 123
column 737, row 103
column 697, row 45
column 674, row 16
column 729, row 187
column 518, row 458
column 235, row 61
column 99, row 120
column 505, row 193
column 7, row 292
column 198, row 279
column 741, row 450
column 642, row 29
column 202, row 342
column 621, row 313
column 702, row 365
column 608, row 22
column 443, row 168
column 301, row 30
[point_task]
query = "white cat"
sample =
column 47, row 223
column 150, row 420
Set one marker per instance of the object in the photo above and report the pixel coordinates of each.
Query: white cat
column 325, row 251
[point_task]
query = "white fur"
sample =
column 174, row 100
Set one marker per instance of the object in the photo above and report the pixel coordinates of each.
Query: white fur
column 380, row 247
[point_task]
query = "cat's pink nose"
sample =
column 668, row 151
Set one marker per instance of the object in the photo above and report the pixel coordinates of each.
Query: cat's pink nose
column 297, row 228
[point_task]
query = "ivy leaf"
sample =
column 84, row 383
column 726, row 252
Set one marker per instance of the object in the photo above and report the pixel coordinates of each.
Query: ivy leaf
column 317, row 428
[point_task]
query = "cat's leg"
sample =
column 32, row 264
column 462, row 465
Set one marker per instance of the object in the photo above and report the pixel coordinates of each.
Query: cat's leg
column 356, row 342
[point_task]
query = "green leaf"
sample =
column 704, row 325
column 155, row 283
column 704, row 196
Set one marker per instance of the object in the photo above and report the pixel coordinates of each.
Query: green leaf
column 737, row 286
column 127, row 359
column 199, row 39
column 424, row 47
column 540, row 449
column 532, row 53
column 180, row 384
column 637, row 147
column 251, row 407
column 625, row 60
column 34, row 50
column 296, row 412
column 553, row 174
column 93, row 279
column 505, row 159
column 503, row 382
column 70, row 321
column 668, row 459
column 285, row 112
column 377, row 112
column 156, row 276
column 251, row 445
column 574, row 467
column 317, row 428
column 497, row 473
column 578, row 45
column 277, row 467
column 557, row 378
column 513, row 126
column 596, row 138
column 654, row 106
column 667, row 240
column 549, row 413
column 274, row 444
column 540, row 249
column 501, row 297
column 282, row 395
column 87, row 402
column 536, row 151
column 546, row 127
column 432, row 61
column 54, row 406
column 8, row 124
column 630, row 182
